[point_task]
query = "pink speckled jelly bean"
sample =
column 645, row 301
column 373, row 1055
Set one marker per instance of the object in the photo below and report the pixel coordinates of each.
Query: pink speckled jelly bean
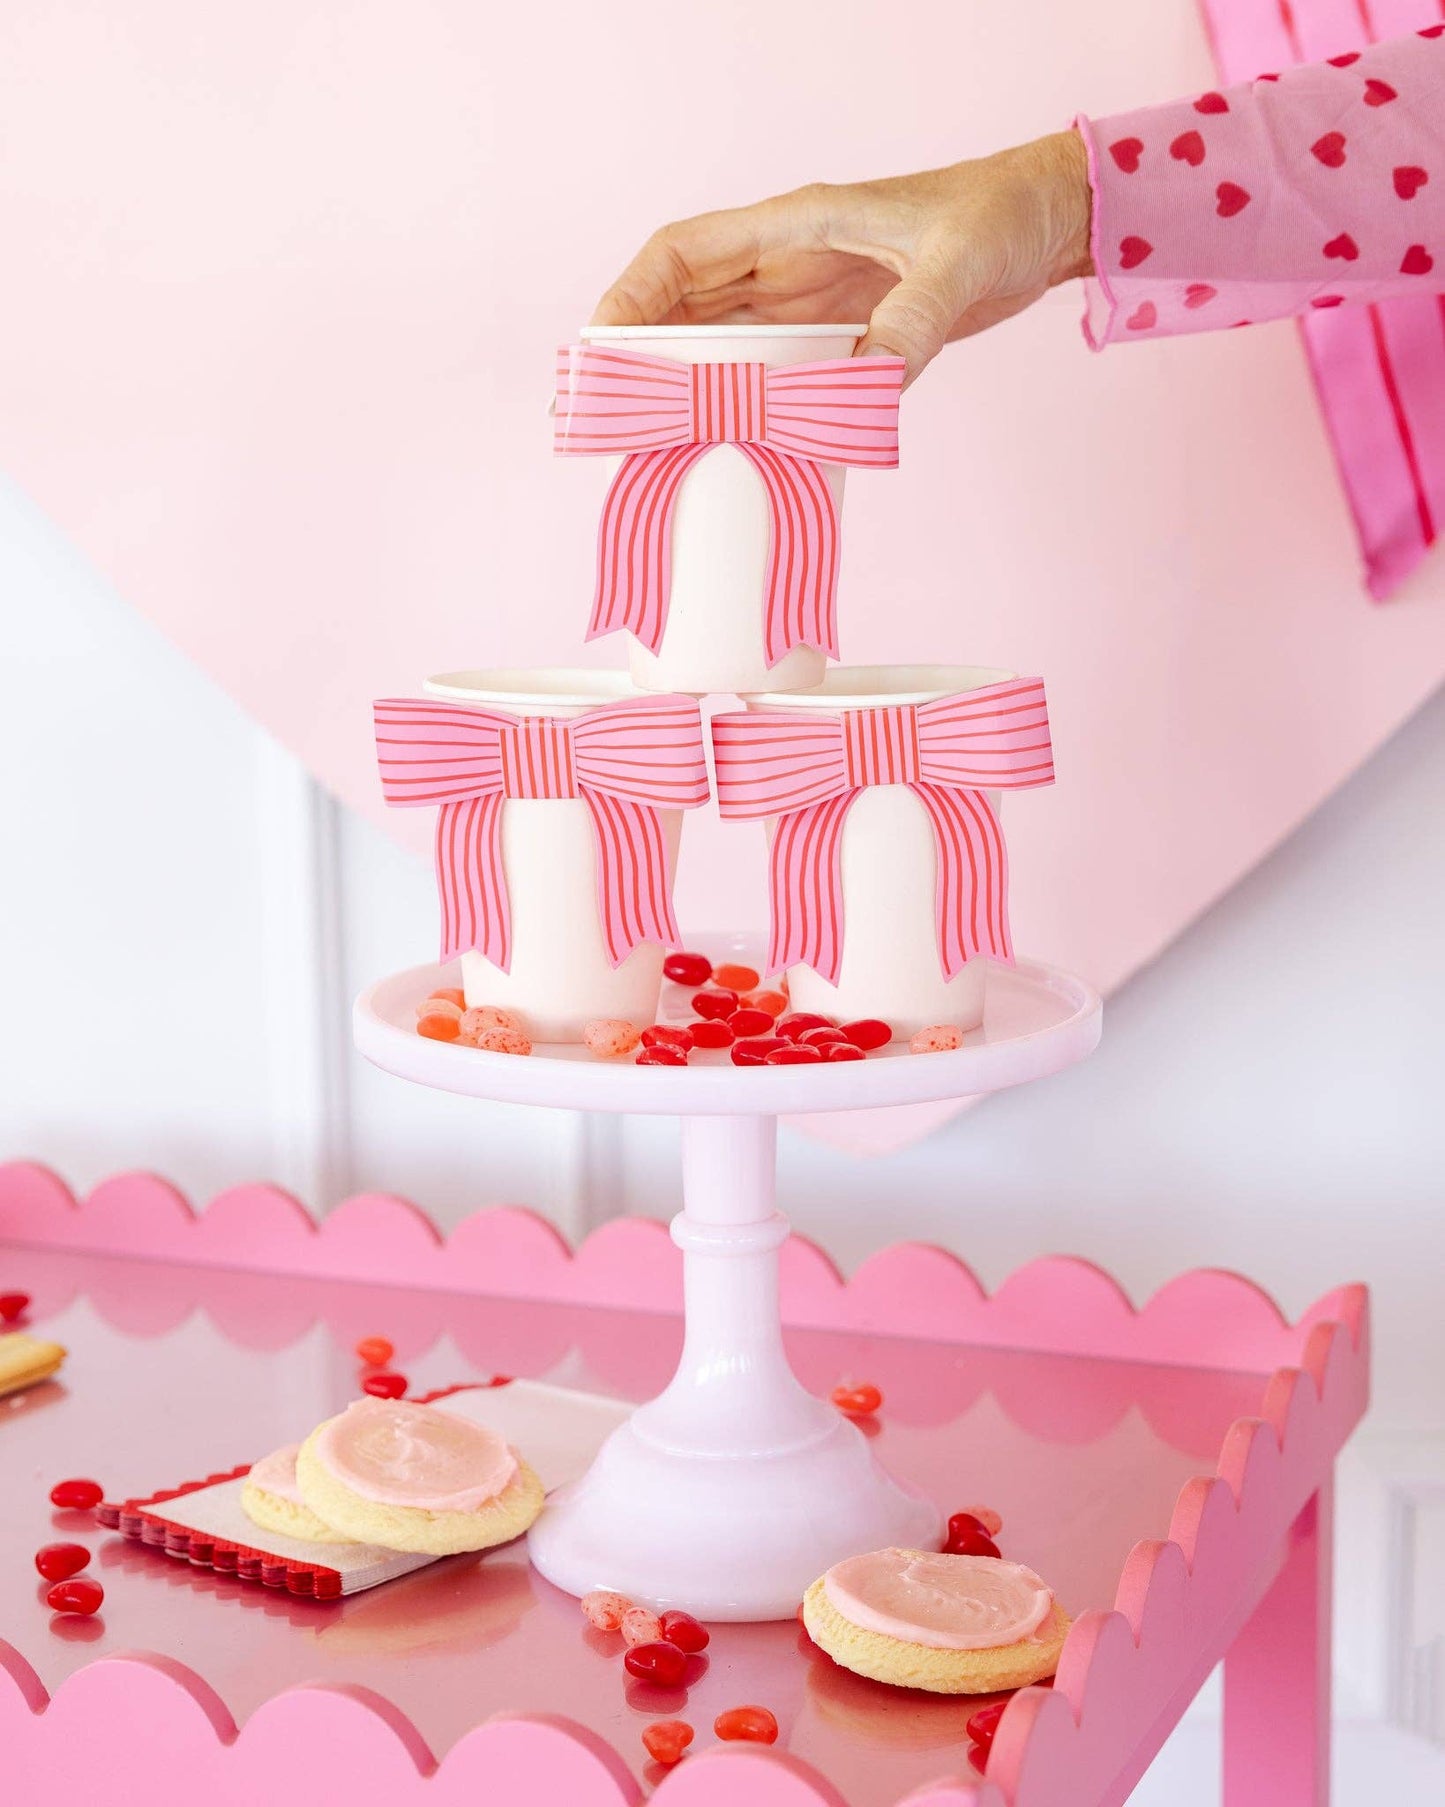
column 938, row 1039
column 504, row 1041
column 609, row 1037
column 606, row 1610
column 475, row 1023
column 639, row 1626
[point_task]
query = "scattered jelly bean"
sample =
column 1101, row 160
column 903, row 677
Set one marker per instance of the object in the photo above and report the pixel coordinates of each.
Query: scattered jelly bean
column 772, row 1001
column 982, row 1725
column 709, row 1032
column 686, row 1632
column 474, row 1024
column 754, row 1051
column 793, row 1025
column 676, row 1035
column 605, row 1609
column 59, row 1561
column 609, row 1037
column 640, row 1625
column 375, row 1351
column 794, row 1056
column 750, row 1022
column 986, row 1516
column 978, row 1758
column 821, row 1038
column 666, row 1739
column 940, row 1038
column 81, row 1596
column 662, row 1054
column 858, row 1402
column 735, row 978
column 384, row 1386
column 435, row 1006
column 687, row 969
column 450, row 994
column 968, row 1524
column 504, row 1041
column 12, row 1306
column 836, row 1051
column 756, row 1724
column 868, row 1033
column 438, row 1028
column 713, row 1002
column 971, row 1543
column 657, row 1662
column 77, row 1496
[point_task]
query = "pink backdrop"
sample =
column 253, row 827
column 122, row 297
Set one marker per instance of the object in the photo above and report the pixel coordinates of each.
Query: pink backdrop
column 281, row 290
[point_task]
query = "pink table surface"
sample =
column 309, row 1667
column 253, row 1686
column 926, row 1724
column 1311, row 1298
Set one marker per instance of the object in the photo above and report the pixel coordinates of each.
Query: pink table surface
column 1100, row 1464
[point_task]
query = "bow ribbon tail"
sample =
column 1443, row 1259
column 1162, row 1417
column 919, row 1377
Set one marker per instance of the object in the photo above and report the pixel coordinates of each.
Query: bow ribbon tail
column 471, row 882
column 801, row 591
column 972, row 888
column 634, row 893
column 806, row 877
column 634, row 544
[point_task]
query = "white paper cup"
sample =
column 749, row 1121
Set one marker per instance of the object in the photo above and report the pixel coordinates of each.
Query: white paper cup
column 713, row 640
column 560, row 975
column 890, row 966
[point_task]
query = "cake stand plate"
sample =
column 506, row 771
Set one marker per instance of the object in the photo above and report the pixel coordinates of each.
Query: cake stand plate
column 735, row 1488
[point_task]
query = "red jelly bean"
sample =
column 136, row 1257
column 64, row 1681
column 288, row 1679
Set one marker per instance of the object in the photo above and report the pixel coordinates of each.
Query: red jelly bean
column 82, row 1596
column 793, row 1025
column 710, row 1033
column 756, row 1049
column 794, row 1056
column 682, row 1629
column 868, row 1033
column 836, row 1051
column 375, row 1351
column 972, row 1543
column 384, row 1386
column 982, row 1725
column 715, row 1003
column 662, row 1054
column 667, row 1739
column 750, row 1022
column 687, row 969
column 967, row 1524
column 821, row 1038
column 674, row 1035
column 662, row 1663
column 12, row 1306
column 59, row 1561
column 77, row 1496
column 756, row 1724
column 858, row 1402
column 735, row 978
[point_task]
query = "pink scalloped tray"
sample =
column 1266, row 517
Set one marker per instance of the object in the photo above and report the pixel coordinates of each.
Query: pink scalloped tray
column 1167, row 1468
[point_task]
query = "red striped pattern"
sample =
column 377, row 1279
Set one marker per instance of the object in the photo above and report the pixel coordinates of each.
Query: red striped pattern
column 806, row 768
column 626, row 761
column 660, row 416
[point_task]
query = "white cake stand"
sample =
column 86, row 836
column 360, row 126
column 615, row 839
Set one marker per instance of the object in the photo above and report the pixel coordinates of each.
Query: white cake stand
column 734, row 1489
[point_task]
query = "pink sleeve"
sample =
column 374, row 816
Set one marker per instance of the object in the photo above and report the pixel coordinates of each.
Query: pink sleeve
column 1324, row 184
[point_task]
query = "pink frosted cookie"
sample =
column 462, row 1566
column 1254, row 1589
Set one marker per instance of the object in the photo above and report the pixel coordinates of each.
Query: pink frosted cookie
column 950, row 1624
column 271, row 1499
column 415, row 1477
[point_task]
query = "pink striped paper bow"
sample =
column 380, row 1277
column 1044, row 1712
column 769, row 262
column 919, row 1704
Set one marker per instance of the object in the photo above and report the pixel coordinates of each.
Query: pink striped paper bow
column 807, row 767
column 625, row 761
column 662, row 416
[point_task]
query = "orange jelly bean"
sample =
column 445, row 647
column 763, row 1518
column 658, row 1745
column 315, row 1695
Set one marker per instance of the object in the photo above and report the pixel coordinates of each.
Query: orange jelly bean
column 450, row 994
column 375, row 1351
column 857, row 1402
column 773, row 1002
column 666, row 1739
column 735, row 978
column 755, row 1724
column 438, row 1028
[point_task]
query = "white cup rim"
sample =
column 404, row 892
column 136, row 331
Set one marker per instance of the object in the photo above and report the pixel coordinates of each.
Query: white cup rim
column 542, row 687
column 849, row 329
column 878, row 686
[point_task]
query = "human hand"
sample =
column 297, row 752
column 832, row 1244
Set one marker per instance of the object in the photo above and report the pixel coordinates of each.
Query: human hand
column 924, row 258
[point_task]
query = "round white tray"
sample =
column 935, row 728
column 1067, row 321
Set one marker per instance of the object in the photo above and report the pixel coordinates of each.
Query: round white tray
column 1037, row 1020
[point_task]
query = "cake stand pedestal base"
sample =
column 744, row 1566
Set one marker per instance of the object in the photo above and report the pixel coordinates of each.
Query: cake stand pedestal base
column 734, row 1489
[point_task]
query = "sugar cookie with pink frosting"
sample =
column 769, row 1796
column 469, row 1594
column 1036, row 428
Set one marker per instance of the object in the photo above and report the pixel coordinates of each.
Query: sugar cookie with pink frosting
column 415, row 1477
column 949, row 1624
column 271, row 1499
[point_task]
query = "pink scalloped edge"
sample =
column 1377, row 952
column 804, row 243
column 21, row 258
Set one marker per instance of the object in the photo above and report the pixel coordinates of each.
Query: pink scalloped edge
column 1121, row 1677
column 1056, row 1304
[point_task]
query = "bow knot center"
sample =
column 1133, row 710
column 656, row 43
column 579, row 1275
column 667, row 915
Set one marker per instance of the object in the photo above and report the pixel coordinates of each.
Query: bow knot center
column 537, row 758
column 729, row 403
column 881, row 745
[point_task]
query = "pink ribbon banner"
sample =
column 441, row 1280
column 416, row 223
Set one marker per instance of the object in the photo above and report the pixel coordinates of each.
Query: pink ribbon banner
column 625, row 761
column 807, row 768
column 660, row 416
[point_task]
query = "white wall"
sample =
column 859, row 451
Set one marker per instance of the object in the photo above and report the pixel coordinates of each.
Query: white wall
column 184, row 918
